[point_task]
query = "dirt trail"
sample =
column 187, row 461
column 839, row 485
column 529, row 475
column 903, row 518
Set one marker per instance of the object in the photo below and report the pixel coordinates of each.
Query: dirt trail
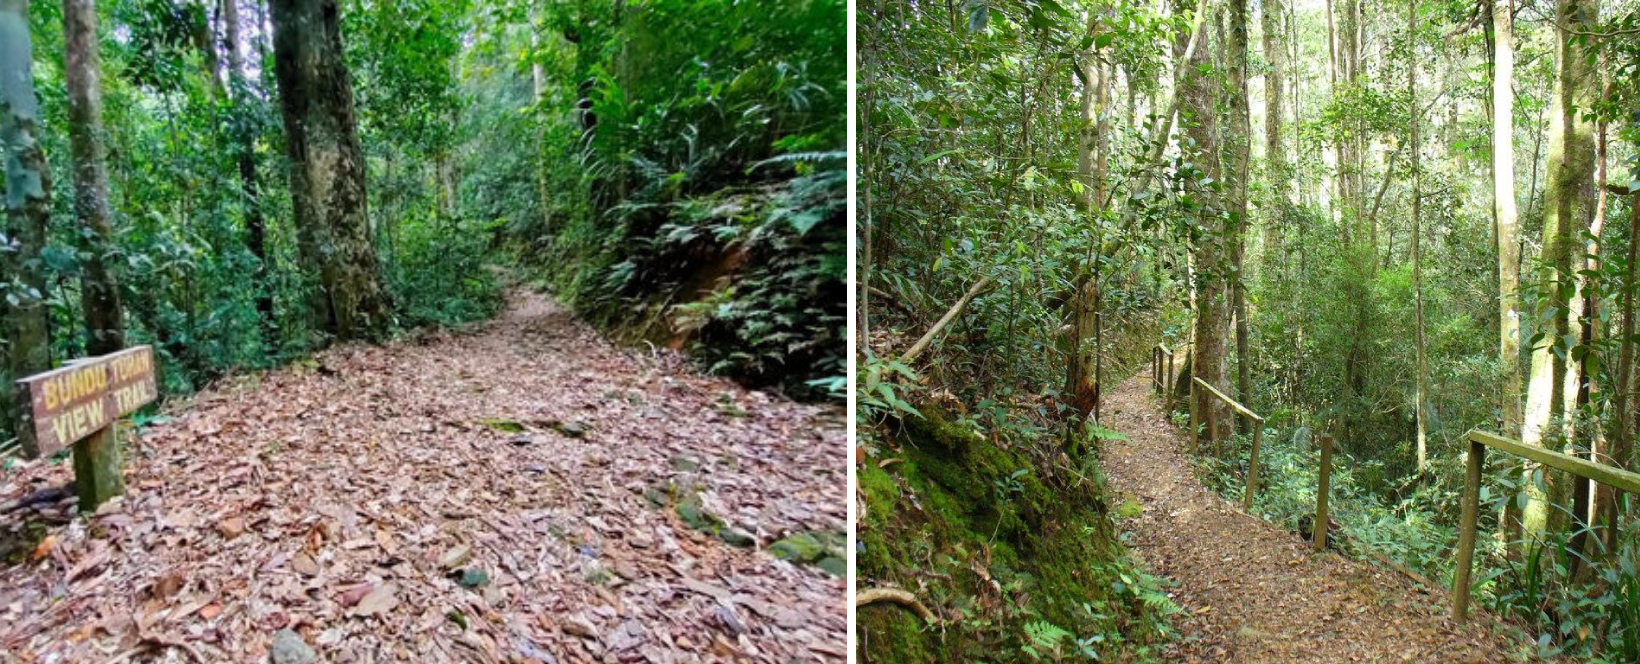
column 1252, row 592
column 327, row 497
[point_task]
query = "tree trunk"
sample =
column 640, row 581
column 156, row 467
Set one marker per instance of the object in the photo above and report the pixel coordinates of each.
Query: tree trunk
column 538, row 77
column 28, row 206
column 1568, row 207
column 1198, row 97
column 1581, row 204
column 245, row 145
column 1236, row 154
column 1421, row 359
column 1623, row 442
column 327, row 170
column 1503, row 208
column 82, row 71
column 1275, row 153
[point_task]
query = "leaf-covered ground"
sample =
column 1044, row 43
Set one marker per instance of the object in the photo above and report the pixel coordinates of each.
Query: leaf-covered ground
column 511, row 493
column 1252, row 592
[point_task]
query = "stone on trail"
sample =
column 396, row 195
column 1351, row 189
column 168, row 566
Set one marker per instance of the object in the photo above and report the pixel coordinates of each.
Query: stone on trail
column 289, row 648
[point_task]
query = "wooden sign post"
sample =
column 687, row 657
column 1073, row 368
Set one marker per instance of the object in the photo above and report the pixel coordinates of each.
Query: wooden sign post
column 78, row 405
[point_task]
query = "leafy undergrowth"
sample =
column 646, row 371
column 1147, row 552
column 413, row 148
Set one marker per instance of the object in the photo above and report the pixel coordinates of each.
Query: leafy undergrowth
column 749, row 281
column 1015, row 554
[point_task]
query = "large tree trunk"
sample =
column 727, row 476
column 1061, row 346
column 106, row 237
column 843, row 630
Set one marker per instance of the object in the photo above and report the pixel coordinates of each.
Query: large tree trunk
column 256, row 233
column 327, row 176
column 1503, row 209
column 28, row 206
column 1275, row 153
column 97, row 469
column 1579, row 203
column 82, row 71
column 1622, row 445
column 1239, row 135
column 1081, row 390
column 1569, row 200
column 1421, row 357
column 1199, row 98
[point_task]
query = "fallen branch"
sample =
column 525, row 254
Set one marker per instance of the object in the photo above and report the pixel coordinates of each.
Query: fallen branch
column 896, row 596
column 928, row 337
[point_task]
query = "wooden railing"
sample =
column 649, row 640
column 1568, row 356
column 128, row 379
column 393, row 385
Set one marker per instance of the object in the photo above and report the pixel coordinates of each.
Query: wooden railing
column 1616, row 478
column 1161, row 369
column 1258, row 435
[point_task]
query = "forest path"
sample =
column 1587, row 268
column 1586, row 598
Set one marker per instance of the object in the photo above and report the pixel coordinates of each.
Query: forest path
column 333, row 498
column 1252, row 592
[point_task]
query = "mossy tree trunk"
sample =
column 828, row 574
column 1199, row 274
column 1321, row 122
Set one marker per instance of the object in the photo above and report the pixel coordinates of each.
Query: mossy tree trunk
column 1508, row 229
column 1275, row 153
column 327, row 170
column 1239, row 136
column 1211, row 329
column 28, row 206
column 1421, row 361
column 1569, row 200
column 98, row 473
column 82, row 70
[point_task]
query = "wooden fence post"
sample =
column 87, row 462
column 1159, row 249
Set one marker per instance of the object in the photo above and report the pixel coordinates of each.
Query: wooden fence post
column 1466, row 530
column 1318, row 531
column 1170, row 381
column 98, row 475
column 1252, row 467
column 1194, row 435
column 1156, row 369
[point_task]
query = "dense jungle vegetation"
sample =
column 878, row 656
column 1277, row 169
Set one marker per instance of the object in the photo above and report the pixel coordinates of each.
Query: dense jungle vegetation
column 238, row 182
column 1390, row 221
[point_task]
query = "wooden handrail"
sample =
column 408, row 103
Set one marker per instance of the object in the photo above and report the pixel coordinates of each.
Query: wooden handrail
column 1251, row 479
column 1478, row 442
column 1608, row 475
column 1234, row 405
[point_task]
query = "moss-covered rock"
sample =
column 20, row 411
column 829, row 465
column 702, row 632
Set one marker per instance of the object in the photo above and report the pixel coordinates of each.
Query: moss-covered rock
column 825, row 550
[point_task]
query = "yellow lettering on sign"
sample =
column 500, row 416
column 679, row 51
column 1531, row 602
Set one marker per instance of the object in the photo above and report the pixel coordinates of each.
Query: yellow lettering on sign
column 73, row 386
column 93, row 412
column 131, row 366
column 59, row 426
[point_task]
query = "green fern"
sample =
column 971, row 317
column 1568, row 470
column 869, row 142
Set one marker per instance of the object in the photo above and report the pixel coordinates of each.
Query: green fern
column 1045, row 637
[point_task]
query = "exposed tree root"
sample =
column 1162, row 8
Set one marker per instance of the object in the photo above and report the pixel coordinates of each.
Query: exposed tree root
column 896, row 596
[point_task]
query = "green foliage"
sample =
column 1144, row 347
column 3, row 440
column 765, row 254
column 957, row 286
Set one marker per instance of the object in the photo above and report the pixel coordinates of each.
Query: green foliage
column 692, row 157
column 1023, row 563
column 177, row 125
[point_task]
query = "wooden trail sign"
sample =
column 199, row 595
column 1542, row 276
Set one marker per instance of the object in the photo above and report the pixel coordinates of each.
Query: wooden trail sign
column 77, row 404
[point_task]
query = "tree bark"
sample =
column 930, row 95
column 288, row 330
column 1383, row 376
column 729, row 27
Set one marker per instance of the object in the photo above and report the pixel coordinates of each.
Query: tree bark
column 1421, row 359
column 1503, row 208
column 28, row 206
column 1569, row 200
column 82, row 72
column 1236, row 168
column 1623, row 443
column 1207, row 359
column 245, row 135
column 327, row 170
column 1275, row 153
